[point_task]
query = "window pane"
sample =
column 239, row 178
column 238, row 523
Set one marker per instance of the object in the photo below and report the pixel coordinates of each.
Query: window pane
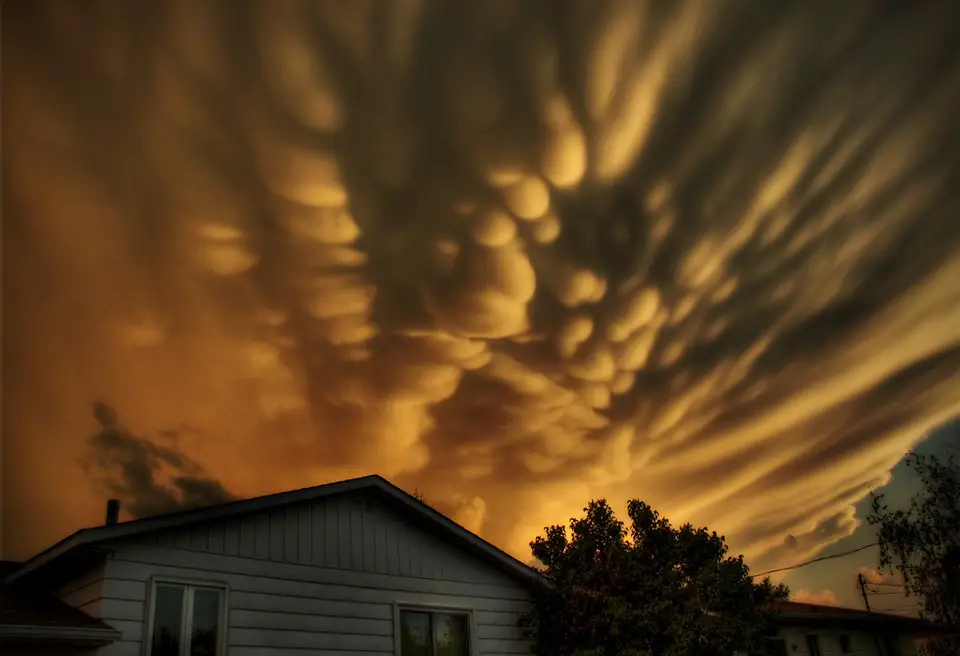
column 892, row 645
column 206, row 622
column 813, row 644
column 167, row 615
column 451, row 635
column 415, row 634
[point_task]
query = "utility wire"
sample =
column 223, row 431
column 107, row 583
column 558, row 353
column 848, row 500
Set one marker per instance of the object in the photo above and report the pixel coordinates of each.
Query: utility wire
column 874, row 592
column 815, row 560
column 890, row 610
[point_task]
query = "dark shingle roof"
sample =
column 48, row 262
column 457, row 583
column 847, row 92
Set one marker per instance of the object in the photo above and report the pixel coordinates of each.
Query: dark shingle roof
column 41, row 617
column 7, row 567
column 800, row 613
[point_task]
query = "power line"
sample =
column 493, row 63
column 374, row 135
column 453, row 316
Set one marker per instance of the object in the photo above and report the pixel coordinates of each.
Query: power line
column 815, row 560
column 916, row 607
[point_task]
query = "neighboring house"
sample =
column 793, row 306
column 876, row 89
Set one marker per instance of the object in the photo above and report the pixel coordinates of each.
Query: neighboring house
column 354, row 566
column 810, row 629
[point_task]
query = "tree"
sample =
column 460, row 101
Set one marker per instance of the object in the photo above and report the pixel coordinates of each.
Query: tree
column 659, row 591
column 419, row 496
column 922, row 543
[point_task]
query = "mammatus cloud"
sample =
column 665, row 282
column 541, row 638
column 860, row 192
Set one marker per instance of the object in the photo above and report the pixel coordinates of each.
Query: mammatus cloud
column 513, row 254
column 823, row 597
column 149, row 477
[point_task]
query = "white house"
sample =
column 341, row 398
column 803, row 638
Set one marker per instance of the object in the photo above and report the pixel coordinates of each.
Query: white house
column 815, row 630
column 356, row 567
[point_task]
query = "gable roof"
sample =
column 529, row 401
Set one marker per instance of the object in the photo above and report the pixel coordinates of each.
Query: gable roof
column 415, row 510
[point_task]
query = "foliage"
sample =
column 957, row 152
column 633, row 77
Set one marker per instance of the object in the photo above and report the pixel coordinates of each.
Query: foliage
column 922, row 543
column 657, row 591
column 419, row 496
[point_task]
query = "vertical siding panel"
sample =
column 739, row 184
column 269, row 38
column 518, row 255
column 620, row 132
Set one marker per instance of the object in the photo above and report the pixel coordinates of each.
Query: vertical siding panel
column 263, row 536
column 381, row 539
column 216, row 537
column 403, row 554
column 344, row 549
column 181, row 538
column 165, row 539
column 277, row 517
column 200, row 537
column 369, row 518
column 428, row 561
column 416, row 555
column 231, row 537
column 291, row 546
column 393, row 542
column 330, row 529
column 318, row 541
column 304, row 535
column 248, row 536
column 357, row 551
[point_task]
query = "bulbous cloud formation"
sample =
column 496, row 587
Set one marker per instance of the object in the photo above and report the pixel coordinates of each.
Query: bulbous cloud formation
column 512, row 254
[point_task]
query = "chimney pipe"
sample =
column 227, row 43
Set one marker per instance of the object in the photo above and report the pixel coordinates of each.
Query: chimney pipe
column 113, row 512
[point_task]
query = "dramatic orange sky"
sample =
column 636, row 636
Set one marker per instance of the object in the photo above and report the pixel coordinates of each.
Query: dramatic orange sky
column 512, row 254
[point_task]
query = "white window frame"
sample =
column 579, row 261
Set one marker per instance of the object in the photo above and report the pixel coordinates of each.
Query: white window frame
column 849, row 645
column 186, row 617
column 781, row 640
column 434, row 608
column 816, row 638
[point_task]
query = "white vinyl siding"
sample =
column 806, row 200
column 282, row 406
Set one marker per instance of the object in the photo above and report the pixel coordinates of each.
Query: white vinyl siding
column 323, row 576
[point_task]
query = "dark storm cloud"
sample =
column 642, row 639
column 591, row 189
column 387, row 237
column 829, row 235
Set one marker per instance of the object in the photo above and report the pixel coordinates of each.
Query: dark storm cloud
column 514, row 254
column 133, row 469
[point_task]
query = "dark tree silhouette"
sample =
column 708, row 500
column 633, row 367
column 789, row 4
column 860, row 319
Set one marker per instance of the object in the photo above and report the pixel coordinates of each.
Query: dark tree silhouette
column 655, row 590
column 922, row 543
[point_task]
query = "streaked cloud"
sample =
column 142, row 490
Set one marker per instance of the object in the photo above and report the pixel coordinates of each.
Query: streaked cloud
column 515, row 255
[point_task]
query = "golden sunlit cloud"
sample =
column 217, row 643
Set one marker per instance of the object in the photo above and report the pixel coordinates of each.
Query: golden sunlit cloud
column 822, row 598
column 512, row 254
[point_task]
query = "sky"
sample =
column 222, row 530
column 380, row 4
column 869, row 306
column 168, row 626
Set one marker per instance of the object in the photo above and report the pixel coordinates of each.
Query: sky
column 512, row 255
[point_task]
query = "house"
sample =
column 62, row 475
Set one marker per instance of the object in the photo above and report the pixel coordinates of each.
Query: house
column 814, row 630
column 353, row 566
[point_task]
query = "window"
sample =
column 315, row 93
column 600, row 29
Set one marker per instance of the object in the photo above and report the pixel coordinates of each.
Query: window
column 778, row 647
column 845, row 644
column 434, row 633
column 813, row 644
column 186, row 620
column 891, row 645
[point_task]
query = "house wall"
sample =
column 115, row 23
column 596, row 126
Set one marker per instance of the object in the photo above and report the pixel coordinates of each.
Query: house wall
column 85, row 592
column 862, row 643
column 321, row 576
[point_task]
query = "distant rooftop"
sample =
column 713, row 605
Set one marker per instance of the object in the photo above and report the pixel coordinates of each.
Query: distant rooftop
column 800, row 613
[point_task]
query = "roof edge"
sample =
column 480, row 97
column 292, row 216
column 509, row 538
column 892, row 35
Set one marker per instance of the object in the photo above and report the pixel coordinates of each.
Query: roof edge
column 77, row 633
column 99, row 534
